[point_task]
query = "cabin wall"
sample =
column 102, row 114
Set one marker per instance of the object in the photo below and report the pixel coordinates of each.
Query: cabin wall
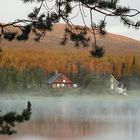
column 61, row 85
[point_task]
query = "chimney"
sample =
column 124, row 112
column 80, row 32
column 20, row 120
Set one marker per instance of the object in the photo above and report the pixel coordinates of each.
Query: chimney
column 56, row 72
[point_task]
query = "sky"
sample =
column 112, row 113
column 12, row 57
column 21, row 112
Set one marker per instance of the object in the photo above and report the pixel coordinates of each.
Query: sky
column 15, row 9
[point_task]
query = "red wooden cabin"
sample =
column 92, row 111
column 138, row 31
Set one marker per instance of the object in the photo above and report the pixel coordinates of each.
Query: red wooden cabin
column 60, row 80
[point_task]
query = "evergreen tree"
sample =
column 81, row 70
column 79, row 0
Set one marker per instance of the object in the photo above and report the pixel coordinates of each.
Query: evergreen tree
column 82, row 75
column 114, row 70
column 123, row 70
column 20, row 85
column 39, row 76
column 10, row 86
column 133, row 67
column 4, row 78
column 134, row 78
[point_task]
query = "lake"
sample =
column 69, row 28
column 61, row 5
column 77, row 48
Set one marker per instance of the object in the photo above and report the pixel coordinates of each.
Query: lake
column 76, row 118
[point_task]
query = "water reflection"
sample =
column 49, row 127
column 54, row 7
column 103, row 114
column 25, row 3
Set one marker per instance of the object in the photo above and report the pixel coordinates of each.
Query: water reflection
column 60, row 129
column 77, row 118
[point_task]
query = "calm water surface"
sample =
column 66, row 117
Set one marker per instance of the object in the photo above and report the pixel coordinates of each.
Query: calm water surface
column 76, row 118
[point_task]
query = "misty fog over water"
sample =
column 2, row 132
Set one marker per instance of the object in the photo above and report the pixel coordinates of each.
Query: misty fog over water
column 76, row 117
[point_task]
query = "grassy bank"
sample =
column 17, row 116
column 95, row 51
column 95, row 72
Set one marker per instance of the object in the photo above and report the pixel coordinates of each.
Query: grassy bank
column 71, row 92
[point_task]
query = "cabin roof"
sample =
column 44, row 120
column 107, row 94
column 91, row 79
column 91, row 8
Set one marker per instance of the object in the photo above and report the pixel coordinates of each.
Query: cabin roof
column 114, row 79
column 50, row 81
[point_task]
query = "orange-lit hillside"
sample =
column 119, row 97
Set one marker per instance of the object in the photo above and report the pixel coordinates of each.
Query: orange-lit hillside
column 50, row 55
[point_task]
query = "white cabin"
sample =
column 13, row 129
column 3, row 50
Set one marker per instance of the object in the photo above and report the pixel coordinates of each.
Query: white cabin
column 117, row 86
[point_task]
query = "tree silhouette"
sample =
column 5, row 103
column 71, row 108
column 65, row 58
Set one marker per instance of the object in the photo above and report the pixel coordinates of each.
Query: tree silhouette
column 9, row 120
column 38, row 22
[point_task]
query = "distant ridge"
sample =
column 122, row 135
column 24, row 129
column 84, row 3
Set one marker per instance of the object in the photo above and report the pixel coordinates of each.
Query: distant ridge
column 112, row 42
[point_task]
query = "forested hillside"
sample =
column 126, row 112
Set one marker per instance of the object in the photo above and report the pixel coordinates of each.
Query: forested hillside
column 29, row 64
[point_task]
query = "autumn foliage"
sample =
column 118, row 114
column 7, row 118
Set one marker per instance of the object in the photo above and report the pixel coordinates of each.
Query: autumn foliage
column 66, row 60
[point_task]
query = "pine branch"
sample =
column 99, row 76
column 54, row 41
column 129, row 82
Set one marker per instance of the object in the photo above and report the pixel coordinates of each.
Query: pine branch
column 9, row 120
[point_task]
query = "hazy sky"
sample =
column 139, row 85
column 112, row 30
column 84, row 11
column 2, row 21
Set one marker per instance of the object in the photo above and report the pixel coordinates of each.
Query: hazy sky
column 15, row 9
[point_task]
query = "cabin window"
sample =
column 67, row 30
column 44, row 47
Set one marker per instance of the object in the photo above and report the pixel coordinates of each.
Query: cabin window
column 54, row 86
column 58, row 85
column 63, row 85
column 74, row 85
column 64, row 81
